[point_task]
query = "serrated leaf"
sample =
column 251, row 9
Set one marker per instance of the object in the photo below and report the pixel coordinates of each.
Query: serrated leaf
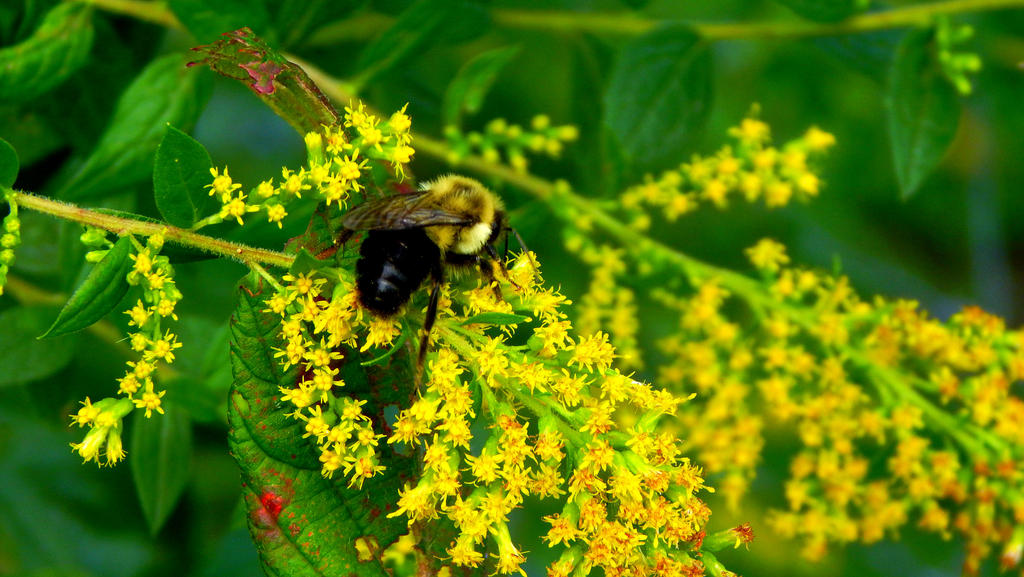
column 23, row 357
column 658, row 95
column 823, row 10
column 303, row 524
column 282, row 85
column 8, row 164
column 466, row 92
column 55, row 51
column 98, row 294
column 494, row 318
column 207, row 19
column 181, row 171
column 161, row 455
column 923, row 111
column 166, row 92
column 425, row 22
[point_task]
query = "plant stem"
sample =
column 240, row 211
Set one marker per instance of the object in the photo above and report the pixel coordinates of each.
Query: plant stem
column 364, row 26
column 631, row 25
column 120, row 225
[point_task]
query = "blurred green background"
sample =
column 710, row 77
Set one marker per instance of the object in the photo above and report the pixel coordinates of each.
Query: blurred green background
column 957, row 240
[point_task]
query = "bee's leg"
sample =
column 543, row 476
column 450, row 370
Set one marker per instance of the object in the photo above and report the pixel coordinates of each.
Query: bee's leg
column 339, row 242
column 487, row 266
column 343, row 235
column 437, row 279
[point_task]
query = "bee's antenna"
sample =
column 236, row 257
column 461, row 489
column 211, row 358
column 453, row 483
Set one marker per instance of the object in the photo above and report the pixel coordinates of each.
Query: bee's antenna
column 522, row 245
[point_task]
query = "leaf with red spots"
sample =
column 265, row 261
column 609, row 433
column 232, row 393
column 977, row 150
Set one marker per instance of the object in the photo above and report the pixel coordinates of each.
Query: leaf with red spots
column 282, row 85
column 304, row 524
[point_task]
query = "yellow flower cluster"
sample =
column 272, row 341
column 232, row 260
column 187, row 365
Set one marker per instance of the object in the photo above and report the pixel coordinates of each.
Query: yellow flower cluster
column 337, row 167
column 751, row 168
column 151, row 339
column 314, row 327
column 608, row 303
column 628, row 498
column 902, row 418
column 511, row 139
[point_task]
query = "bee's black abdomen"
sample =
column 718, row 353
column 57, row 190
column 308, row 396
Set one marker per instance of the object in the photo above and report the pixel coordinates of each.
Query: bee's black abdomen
column 392, row 265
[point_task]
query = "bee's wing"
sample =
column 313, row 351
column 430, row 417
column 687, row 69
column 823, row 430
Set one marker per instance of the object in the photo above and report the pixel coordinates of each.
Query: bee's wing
column 400, row 212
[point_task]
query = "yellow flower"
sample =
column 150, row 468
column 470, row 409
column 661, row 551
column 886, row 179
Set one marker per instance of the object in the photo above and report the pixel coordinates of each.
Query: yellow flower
column 236, row 208
column 294, row 182
column 151, row 401
column 276, row 213
column 751, row 131
column 768, row 255
column 818, row 140
column 400, row 122
column 593, row 351
column 222, row 184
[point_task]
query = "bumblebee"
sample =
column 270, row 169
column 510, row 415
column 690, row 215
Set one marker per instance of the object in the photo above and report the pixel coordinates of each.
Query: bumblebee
column 453, row 221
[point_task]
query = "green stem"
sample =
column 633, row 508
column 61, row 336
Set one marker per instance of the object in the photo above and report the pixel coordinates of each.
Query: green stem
column 366, row 25
column 628, row 24
column 266, row 276
column 120, row 225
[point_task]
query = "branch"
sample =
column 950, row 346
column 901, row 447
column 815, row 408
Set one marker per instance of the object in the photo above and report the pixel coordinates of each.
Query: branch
column 631, row 25
column 120, row 225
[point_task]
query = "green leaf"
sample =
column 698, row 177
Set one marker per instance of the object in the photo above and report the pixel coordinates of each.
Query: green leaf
column 23, row 357
column 923, row 111
column 824, row 10
column 493, row 318
column 8, row 164
column 283, row 86
column 305, row 263
column 423, row 23
column 181, row 170
column 161, row 453
column 79, row 110
column 98, row 294
column 870, row 53
column 55, row 51
column 658, row 95
column 466, row 92
column 296, row 20
column 302, row 523
column 60, row 518
column 207, row 19
column 166, row 92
